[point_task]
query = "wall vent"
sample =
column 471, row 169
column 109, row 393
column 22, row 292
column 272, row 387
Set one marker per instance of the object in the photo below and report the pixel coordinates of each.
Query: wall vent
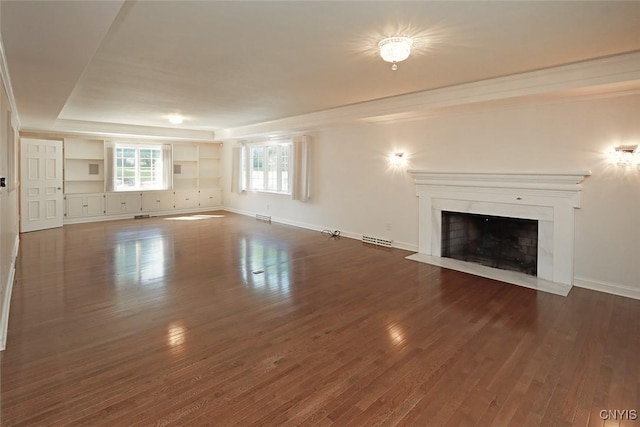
column 376, row 241
column 263, row 218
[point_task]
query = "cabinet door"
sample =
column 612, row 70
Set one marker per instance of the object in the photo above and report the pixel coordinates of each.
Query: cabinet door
column 84, row 205
column 131, row 202
column 211, row 197
column 113, row 204
column 94, row 204
column 75, row 206
column 150, row 202
column 186, row 199
column 121, row 203
column 157, row 201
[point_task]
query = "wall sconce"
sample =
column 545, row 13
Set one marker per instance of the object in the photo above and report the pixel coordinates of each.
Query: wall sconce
column 398, row 159
column 626, row 155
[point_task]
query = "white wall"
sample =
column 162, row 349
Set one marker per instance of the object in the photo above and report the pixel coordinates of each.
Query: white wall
column 355, row 190
column 8, row 216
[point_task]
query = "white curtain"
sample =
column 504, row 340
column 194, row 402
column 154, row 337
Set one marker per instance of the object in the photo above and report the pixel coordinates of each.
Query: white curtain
column 167, row 166
column 239, row 160
column 109, row 160
column 301, row 182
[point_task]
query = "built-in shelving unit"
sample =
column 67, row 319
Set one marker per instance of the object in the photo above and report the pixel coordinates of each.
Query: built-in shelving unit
column 185, row 166
column 209, row 166
column 196, row 183
column 83, row 166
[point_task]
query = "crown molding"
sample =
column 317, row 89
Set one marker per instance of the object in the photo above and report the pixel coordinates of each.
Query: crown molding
column 6, row 81
column 115, row 130
column 558, row 82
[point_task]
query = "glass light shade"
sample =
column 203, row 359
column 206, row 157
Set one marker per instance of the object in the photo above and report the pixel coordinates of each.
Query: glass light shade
column 395, row 49
column 625, row 155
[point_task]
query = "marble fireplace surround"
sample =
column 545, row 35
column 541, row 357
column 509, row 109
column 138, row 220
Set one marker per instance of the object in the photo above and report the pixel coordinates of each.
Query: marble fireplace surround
column 548, row 197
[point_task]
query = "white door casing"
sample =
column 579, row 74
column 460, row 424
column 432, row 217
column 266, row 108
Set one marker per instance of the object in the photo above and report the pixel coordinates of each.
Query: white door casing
column 41, row 196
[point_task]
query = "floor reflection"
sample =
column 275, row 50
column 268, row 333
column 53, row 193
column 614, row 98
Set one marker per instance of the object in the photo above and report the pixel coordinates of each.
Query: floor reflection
column 396, row 334
column 141, row 259
column 176, row 338
column 266, row 266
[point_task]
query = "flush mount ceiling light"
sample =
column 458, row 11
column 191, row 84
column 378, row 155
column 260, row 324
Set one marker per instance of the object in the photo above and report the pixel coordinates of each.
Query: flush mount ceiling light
column 395, row 49
column 175, row 119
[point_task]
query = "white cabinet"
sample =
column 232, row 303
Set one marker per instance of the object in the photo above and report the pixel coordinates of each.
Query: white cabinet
column 210, row 198
column 186, row 199
column 122, row 203
column 84, row 205
column 153, row 201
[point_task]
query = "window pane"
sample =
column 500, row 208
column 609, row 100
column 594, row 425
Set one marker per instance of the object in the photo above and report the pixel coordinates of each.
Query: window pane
column 150, row 168
column 125, row 173
column 257, row 168
column 284, row 167
column 272, row 168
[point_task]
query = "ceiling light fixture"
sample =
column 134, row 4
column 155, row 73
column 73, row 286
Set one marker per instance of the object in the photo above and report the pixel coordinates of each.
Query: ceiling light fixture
column 175, row 119
column 395, row 49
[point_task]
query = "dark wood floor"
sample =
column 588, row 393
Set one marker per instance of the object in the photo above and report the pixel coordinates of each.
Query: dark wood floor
column 163, row 322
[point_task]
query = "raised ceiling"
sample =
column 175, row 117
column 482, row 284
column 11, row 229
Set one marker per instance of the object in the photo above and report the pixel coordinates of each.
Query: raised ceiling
column 231, row 64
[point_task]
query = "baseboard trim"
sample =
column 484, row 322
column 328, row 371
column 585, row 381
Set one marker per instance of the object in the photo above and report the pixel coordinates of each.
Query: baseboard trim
column 6, row 296
column 609, row 288
column 315, row 227
column 132, row 215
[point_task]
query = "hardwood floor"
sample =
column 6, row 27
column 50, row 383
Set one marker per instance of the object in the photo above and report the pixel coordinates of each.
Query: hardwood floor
column 170, row 322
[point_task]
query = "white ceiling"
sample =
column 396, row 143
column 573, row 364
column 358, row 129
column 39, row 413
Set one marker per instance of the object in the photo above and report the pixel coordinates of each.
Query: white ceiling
column 231, row 64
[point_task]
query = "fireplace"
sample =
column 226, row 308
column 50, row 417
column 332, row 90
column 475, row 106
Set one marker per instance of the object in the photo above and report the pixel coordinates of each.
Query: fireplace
column 494, row 241
column 546, row 199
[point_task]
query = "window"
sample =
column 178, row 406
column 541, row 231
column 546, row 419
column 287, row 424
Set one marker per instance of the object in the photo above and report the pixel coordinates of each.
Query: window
column 137, row 167
column 269, row 168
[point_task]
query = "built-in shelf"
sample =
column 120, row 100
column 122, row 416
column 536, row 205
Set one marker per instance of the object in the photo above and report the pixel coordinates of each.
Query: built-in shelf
column 209, row 166
column 83, row 166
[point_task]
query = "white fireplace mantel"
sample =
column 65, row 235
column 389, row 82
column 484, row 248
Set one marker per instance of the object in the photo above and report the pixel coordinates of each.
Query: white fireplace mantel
column 547, row 197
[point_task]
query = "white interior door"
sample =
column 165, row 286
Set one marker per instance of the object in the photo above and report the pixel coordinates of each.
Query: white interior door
column 41, row 183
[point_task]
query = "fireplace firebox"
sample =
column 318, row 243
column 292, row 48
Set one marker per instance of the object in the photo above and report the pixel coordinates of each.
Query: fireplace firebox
column 494, row 241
